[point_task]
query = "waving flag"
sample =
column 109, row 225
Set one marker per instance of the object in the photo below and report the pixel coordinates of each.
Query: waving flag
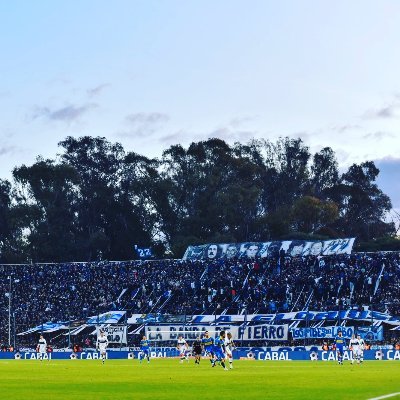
column 46, row 328
column 110, row 317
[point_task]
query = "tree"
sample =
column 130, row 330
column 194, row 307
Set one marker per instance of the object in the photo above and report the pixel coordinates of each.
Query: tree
column 5, row 202
column 45, row 208
column 287, row 172
column 310, row 214
column 109, row 223
column 324, row 173
column 96, row 201
column 214, row 192
column 363, row 205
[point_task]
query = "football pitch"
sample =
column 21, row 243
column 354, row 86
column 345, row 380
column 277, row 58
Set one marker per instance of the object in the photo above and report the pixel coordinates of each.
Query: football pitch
column 168, row 379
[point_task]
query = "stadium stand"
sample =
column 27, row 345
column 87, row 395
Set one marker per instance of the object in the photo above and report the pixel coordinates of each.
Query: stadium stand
column 75, row 291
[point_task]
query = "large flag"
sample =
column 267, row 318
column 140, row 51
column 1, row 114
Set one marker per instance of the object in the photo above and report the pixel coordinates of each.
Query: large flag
column 110, row 317
column 45, row 328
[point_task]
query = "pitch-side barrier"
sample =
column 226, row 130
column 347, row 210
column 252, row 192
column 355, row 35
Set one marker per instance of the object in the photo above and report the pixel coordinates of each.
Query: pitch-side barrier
column 259, row 355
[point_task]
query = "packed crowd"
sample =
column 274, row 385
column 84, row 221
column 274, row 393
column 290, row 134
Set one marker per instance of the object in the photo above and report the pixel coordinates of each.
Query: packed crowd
column 75, row 291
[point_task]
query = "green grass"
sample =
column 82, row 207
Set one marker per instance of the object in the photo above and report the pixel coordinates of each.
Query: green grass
column 168, row 379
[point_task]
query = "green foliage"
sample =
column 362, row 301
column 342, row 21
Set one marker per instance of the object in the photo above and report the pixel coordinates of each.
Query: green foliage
column 96, row 201
column 362, row 204
column 310, row 214
column 306, row 236
column 386, row 243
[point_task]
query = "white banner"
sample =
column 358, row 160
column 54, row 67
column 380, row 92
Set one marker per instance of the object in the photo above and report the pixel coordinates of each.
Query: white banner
column 115, row 333
column 328, row 332
column 263, row 332
column 172, row 332
column 292, row 248
column 256, row 332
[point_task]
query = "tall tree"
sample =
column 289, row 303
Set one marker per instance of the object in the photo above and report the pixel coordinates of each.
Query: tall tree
column 363, row 205
column 46, row 196
column 310, row 214
column 289, row 174
column 109, row 223
column 5, row 202
column 324, row 173
column 96, row 201
column 214, row 192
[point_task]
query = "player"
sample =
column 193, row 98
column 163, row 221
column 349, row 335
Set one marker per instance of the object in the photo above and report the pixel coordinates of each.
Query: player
column 229, row 347
column 354, row 346
column 196, row 348
column 41, row 348
column 144, row 350
column 101, row 345
column 339, row 343
column 182, row 347
column 208, row 346
column 219, row 350
column 361, row 347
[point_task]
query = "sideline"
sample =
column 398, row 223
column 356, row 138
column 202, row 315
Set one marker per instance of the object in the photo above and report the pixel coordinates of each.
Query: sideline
column 386, row 396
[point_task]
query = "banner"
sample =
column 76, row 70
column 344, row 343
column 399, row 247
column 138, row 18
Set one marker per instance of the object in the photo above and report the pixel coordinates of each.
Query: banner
column 115, row 333
column 113, row 317
column 370, row 332
column 110, row 317
column 349, row 315
column 263, row 332
column 256, row 332
column 261, row 355
column 172, row 332
column 45, row 328
column 327, row 332
column 143, row 253
column 157, row 318
column 292, row 248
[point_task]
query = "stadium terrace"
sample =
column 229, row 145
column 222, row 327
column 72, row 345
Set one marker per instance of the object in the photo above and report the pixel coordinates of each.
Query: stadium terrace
column 68, row 301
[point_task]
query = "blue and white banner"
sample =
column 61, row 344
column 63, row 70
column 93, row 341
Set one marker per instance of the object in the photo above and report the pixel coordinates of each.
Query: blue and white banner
column 262, row 332
column 370, row 332
column 114, row 317
column 158, row 318
column 342, row 315
column 326, row 332
column 292, row 248
column 392, row 355
column 110, row 317
column 189, row 332
column 260, row 354
column 47, row 327
column 143, row 253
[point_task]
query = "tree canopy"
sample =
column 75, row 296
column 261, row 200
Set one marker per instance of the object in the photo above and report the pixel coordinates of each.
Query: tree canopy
column 96, row 201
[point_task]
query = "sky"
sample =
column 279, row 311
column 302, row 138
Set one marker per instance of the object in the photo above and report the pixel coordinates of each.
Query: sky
column 153, row 73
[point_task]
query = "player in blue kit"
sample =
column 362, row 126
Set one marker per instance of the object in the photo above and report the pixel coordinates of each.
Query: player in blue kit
column 339, row 342
column 219, row 350
column 144, row 350
column 208, row 345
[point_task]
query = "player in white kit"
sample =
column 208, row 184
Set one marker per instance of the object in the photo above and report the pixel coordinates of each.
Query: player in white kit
column 101, row 345
column 354, row 345
column 41, row 348
column 361, row 348
column 183, row 347
column 229, row 347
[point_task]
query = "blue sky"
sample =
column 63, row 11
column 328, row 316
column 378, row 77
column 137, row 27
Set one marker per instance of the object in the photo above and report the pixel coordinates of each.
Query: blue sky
column 154, row 73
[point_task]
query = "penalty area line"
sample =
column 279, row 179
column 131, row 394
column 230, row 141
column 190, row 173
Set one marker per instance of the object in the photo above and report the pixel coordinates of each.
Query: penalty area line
column 386, row 396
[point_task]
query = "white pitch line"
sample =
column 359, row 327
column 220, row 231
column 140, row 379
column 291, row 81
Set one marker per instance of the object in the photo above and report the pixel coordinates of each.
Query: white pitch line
column 386, row 396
